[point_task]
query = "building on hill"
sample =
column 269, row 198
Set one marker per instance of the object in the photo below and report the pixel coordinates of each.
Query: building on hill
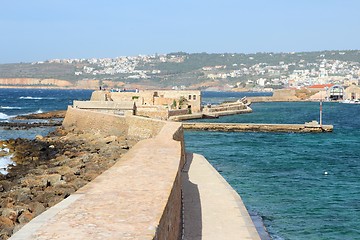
column 352, row 92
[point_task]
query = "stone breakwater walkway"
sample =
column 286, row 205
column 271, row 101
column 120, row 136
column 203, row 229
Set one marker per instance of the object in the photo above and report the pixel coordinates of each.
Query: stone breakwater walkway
column 255, row 127
column 212, row 209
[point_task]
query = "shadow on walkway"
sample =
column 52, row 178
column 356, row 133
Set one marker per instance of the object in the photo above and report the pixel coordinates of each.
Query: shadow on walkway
column 192, row 204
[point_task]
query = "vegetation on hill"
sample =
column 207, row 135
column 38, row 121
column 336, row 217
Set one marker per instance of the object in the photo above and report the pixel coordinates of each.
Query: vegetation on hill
column 180, row 68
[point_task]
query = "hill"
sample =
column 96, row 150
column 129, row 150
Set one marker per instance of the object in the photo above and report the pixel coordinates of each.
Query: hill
column 198, row 70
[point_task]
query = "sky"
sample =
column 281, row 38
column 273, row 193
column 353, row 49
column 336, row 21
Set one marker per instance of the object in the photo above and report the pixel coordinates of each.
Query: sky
column 40, row 30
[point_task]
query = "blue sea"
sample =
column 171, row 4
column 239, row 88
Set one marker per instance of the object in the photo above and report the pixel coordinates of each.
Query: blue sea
column 303, row 185
column 15, row 102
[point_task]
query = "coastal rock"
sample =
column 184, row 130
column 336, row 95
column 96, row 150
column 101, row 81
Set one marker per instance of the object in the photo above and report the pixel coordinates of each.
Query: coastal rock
column 9, row 214
column 51, row 168
column 36, row 208
column 22, row 195
column 7, row 202
column 6, row 227
column 53, row 180
column 5, row 185
column 25, row 217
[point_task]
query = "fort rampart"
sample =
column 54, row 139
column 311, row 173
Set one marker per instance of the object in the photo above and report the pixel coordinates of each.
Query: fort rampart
column 137, row 198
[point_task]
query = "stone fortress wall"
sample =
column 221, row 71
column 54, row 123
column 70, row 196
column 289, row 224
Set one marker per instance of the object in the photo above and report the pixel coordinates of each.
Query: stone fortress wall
column 138, row 198
column 143, row 195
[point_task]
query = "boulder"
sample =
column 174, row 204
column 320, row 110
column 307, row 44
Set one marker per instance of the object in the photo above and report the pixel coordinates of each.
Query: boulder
column 36, row 208
column 25, row 217
column 9, row 214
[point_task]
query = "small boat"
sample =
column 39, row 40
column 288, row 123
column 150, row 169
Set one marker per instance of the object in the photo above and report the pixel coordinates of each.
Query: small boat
column 354, row 101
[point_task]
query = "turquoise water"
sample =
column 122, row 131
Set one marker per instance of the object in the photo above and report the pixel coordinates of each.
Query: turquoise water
column 281, row 176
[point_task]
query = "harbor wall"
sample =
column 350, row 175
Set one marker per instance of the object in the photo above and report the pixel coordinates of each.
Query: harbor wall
column 139, row 197
column 109, row 124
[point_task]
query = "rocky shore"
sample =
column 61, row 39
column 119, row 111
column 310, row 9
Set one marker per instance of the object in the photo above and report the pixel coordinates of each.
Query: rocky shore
column 49, row 169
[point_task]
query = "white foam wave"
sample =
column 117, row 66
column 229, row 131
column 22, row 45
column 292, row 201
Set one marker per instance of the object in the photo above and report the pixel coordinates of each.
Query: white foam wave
column 35, row 98
column 4, row 116
column 39, row 111
column 4, row 164
column 8, row 107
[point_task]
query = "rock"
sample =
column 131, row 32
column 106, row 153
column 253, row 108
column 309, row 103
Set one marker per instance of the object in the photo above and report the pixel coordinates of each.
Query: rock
column 9, row 214
column 5, row 185
column 33, row 181
column 44, row 196
column 39, row 137
column 50, row 169
column 36, row 208
column 6, row 227
column 7, row 202
column 52, row 180
column 55, row 200
column 25, row 217
column 23, row 195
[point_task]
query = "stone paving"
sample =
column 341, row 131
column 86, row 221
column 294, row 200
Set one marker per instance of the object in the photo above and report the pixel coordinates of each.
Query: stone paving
column 212, row 209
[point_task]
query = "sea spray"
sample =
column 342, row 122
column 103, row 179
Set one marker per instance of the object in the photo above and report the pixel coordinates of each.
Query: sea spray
column 3, row 116
column 5, row 162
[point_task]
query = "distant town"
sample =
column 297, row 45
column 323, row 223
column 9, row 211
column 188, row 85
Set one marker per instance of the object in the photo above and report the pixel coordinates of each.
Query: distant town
column 236, row 72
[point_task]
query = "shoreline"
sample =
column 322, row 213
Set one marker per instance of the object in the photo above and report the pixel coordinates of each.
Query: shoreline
column 45, row 87
column 49, row 169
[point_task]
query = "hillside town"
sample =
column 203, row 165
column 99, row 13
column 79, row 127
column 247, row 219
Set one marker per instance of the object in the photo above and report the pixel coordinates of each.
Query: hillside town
column 260, row 76
column 200, row 71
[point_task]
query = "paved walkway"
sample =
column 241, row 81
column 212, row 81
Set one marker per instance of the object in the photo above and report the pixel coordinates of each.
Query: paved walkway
column 212, row 209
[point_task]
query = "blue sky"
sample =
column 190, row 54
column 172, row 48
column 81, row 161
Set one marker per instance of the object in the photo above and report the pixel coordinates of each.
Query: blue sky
column 41, row 29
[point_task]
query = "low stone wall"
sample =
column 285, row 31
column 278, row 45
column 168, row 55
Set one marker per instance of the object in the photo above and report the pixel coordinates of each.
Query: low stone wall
column 138, row 198
column 178, row 112
column 156, row 112
column 85, row 120
column 109, row 124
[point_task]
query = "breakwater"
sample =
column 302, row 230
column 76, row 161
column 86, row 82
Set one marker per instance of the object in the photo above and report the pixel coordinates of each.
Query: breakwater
column 139, row 197
column 257, row 127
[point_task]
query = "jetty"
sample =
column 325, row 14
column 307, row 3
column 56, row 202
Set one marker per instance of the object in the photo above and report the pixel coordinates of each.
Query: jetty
column 311, row 127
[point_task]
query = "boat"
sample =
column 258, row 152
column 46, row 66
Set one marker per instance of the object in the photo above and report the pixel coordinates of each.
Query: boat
column 353, row 101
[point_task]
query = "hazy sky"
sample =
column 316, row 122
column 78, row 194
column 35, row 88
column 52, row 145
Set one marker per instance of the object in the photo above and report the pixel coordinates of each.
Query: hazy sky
column 38, row 30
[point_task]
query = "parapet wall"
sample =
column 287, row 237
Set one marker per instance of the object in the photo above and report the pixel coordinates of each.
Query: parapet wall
column 137, row 198
column 109, row 124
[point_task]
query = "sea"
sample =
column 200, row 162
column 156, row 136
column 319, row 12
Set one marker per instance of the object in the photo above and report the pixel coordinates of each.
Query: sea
column 302, row 185
column 17, row 102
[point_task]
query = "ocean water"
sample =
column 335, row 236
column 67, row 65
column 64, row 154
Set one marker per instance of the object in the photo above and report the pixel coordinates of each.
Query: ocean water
column 280, row 176
column 15, row 102
column 303, row 185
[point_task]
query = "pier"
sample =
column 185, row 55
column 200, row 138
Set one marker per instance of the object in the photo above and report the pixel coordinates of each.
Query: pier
column 258, row 127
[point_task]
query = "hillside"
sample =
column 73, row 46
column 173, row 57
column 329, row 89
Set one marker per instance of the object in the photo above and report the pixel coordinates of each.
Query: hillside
column 197, row 70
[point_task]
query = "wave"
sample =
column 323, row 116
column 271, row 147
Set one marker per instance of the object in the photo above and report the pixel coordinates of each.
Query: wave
column 4, row 116
column 7, row 107
column 39, row 111
column 5, row 162
column 36, row 98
